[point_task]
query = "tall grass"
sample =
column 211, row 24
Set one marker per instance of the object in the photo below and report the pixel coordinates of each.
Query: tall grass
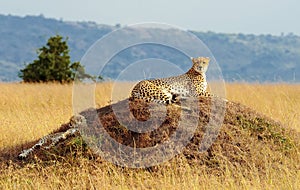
column 278, row 101
column 29, row 111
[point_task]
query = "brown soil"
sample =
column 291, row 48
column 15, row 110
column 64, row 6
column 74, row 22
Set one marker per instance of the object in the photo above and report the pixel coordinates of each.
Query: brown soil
column 244, row 140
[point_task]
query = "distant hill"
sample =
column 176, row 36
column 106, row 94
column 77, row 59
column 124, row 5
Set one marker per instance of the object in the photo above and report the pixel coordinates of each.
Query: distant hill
column 263, row 58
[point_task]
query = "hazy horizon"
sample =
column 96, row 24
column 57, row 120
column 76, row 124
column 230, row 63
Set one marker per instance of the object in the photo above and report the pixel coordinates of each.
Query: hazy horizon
column 232, row 16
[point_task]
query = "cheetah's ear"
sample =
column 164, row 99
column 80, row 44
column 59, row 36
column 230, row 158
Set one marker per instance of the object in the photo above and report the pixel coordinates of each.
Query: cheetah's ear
column 193, row 59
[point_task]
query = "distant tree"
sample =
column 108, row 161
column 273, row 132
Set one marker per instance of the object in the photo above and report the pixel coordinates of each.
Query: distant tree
column 53, row 64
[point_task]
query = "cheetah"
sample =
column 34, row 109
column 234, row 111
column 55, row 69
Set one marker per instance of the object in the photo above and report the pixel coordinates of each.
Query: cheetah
column 169, row 90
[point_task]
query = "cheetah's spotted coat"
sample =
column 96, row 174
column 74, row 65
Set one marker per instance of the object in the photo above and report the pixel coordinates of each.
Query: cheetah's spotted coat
column 168, row 90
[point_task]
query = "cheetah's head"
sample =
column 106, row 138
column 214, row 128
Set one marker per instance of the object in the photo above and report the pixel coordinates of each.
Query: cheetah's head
column 200, row 64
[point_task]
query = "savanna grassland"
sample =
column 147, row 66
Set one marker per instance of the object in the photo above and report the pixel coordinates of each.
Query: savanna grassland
column 30, row 111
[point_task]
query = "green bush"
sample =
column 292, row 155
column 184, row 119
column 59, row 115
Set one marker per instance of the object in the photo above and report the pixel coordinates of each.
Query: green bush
column 53, row 64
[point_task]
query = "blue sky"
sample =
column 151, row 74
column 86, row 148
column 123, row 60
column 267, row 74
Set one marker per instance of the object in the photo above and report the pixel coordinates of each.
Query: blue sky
column 230, row 16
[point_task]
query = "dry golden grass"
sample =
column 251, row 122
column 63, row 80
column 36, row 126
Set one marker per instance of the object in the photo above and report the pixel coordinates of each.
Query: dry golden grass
column 281, row 102
column 29, row 111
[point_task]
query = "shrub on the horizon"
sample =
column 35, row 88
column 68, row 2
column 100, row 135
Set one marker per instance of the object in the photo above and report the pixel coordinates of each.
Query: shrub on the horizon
column 53, row 64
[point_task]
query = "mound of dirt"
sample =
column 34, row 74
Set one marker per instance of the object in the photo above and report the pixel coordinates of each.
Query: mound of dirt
column 244, row 140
